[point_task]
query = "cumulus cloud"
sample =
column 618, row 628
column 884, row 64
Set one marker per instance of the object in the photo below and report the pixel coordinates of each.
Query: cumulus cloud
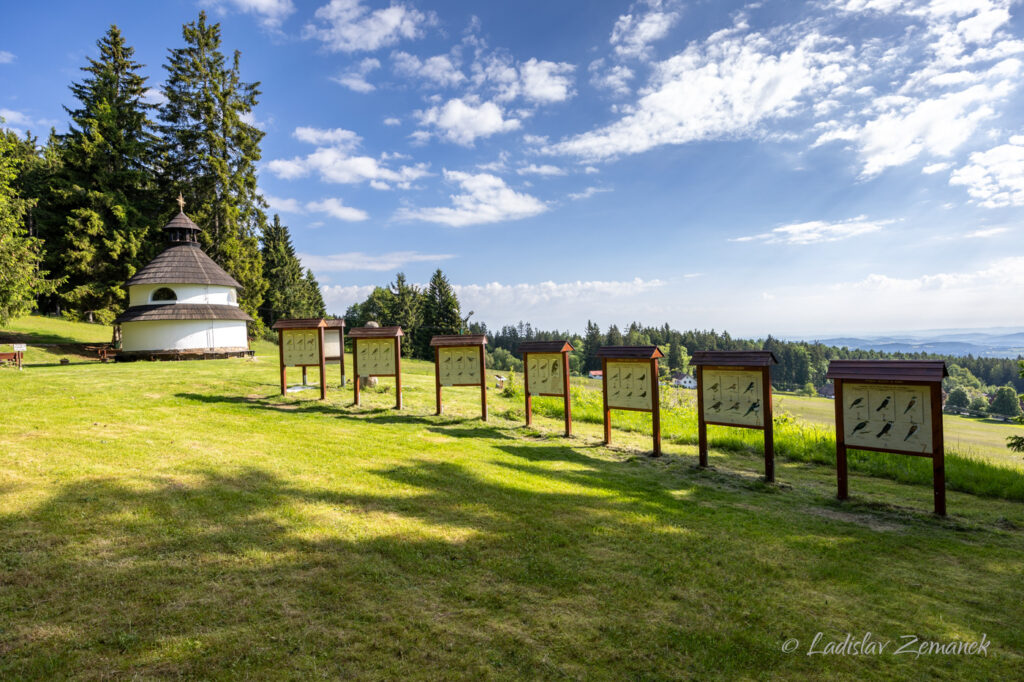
column 355, row 79
column 271, row 12
column 615, row 78
column 438, row 70
column 986, row 233
column 463, row 120
column 334, row 161
column 725, row 87
column 336, row 209
column 994, row 178
column 350, row 26
column 485, row 198
column 817, row 231
column 536, row 81
column 646, row 23
column 356, row 260
column 283, row 205
column 392, row 121
column 338, row 298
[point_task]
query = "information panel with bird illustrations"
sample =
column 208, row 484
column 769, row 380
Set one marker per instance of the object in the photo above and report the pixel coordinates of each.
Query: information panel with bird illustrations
column 545, row 373
column 733, row 397
column 376, row 357
column 888, row 417
column 301, row 347
column 459, row 366
column 629, row 385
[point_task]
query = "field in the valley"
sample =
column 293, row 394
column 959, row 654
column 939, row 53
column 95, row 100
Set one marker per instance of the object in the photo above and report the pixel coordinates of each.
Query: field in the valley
column 184, row 520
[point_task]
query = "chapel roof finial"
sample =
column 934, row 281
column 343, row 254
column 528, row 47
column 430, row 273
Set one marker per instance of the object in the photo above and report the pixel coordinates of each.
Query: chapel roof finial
column 181, row 202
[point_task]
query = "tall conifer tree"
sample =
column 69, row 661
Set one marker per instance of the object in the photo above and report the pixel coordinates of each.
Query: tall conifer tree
column 441, row 313
column 100, row 206
column 314, row 299
column 406, row 308
column 287, row 291
column 211, row 152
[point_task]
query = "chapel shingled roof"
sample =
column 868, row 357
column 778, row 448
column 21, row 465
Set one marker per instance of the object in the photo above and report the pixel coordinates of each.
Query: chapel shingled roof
column 182, row 311
column 183, row 264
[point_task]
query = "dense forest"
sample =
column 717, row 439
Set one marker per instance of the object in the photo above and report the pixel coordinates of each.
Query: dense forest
column 81, row 212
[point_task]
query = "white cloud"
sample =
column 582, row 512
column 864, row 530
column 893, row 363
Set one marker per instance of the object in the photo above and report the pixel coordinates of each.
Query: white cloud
column 273, row 12
column 485, row 199
column 6, row 57
column 438, row 70
column 392, row 121
column 154, row 96
column 347, row 262
column 338, row 298
column 338, row 137
column 995, row 177
column 349, row 26
column 615, row 78
column 335, row 162
column 633, row 33
column 588, row 192
column 726, row 87
column 933, row 168
column 15, row 118
column 543, row 169
column 355, row 79
column 336, row 209
column 986, row 233
column 817, row 231
column 283, row 205
column 546, row 82
column 462, row 121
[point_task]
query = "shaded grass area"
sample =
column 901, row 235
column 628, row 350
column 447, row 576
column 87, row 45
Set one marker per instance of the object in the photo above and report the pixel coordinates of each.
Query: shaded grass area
column 184, row 520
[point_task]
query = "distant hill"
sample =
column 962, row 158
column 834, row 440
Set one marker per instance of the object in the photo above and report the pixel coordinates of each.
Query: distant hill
column 997, row 342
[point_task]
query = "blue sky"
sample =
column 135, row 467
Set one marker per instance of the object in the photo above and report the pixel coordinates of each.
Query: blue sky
column 795, row 168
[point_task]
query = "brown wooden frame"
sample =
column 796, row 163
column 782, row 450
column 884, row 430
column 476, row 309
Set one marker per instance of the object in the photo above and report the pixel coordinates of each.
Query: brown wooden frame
column 928, row 373
column 16, row 357
column 460, row 341
column 563, row 347
column 308, row 324
column 639, row 355
column 340, row 326
column 377, row 333
column 751, row 361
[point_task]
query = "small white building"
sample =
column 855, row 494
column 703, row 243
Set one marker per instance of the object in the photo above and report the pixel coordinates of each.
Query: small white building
column 182, row 304
column 684, row 380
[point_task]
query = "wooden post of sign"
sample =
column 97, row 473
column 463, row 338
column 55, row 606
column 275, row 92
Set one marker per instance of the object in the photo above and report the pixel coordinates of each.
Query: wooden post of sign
column 604, row 396
column 483, row 385
column 769, row 425
column 355, row 372
column 841, row 475
column 656, row 412
column 526, row 389
column 702, row 427
column 938, row 451
column 323, row 368
column 398, row 373
column 437, row 379
column 305, row 381
column 567, row 403
column 280, row 352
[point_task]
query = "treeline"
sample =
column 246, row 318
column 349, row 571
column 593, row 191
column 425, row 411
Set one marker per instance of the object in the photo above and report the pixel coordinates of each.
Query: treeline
column 82, row 212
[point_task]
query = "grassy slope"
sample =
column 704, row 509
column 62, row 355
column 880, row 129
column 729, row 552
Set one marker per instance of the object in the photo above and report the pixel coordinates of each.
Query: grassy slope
column 167, row 519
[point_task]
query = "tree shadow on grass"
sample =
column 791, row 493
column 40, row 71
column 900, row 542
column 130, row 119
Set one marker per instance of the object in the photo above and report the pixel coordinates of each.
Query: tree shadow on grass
column 565, row 566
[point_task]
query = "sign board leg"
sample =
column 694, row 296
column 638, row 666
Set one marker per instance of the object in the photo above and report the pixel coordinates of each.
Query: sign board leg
column 323, row 365
column 355, row 371
column 398, row 373
column 605, row 410
column 526, row 389
column 565, row 394
column 938, row 451
column 656, row 413
column 280, row 352
column 841, row 475
column 437, row 378
column 702, row 428
column 483, row 384
column 769, row 425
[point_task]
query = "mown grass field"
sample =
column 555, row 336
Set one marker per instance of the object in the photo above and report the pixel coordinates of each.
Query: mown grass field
column 184, row 520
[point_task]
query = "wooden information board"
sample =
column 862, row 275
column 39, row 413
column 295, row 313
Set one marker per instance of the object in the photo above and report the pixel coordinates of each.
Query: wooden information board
column 334, row 345
column 734, row 388
column 546, row 373
column 629, row 377
column 301, row 344
column 377, row 352
column 890, row 406
column 459, row 360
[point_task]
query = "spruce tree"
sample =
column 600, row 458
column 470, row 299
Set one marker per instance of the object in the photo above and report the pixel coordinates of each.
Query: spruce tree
column 406, row 308
column 614, row 336
column 210, row 154
column 21, row 279
column 314, row 299
column 675, row 356
column 100, row 206
column 287, row 291
column 591, row 343
column 441, row 313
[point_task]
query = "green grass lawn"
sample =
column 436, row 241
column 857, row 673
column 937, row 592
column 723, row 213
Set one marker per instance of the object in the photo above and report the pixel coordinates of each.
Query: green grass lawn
column 184, row 520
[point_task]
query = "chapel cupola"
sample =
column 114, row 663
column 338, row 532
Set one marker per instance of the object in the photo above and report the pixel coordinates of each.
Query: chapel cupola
column 181, row 229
